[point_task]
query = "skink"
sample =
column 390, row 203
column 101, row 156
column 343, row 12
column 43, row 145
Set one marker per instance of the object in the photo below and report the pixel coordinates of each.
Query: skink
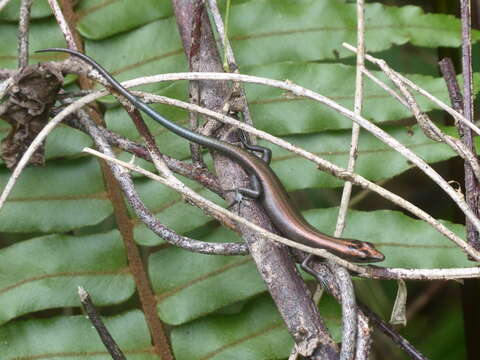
column 266, row 186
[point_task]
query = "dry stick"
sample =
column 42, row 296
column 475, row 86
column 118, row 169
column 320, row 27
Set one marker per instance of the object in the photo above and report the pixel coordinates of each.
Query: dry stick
column 349, row 306
column 23, row 32
column 230, row 57
column 274, row 263
column 471, row 183
column 64, row 27
column 433, row 132
column 324, row 275
column 392, row 334
column 472, row 191
column 427, row 126
column 107, row 339
column 384, row 66
column 137, row 268
column 385, row 87
column 5, row 86
column 364, row 337
column 347, row 189
column 194, row 58
column 376, row 272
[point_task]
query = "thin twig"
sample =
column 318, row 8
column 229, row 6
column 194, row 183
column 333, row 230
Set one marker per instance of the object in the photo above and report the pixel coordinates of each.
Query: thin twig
column 23, row 32
column 229, row 57
column 382, row 64
column 63, row 24
column 347, row 189
column 107, row 339
column 5, row 86
column 349, row 306
column 325, row 276
column 471, row 183
column 349, row 311
column 430, row 129
column 393, row 334
column 385, row 87
column 364, row 337
column 472, row 191
column 375, row 272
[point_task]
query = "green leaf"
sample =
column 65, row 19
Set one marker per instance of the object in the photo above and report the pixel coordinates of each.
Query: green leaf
column 304, row 30
column 170, row 209
column 65, row 141
column 207, row 284
column 256, row 333
column 43, row 34
column 141, row 52
column 11, row 12
column 117, row 120
column 62, row 196
column 406, row 242
column 95, row 16
column 44, row 273
column 62, row 142
column 74, row 338
column 445, row 341
column 376, row 161
column 280, row 114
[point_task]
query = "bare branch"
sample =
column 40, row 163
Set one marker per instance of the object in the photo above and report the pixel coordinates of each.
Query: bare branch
column 23, row 32
column 467, row 72
column 107, row 339
column 384, row 66
column 63, row 24
column 471, row 183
